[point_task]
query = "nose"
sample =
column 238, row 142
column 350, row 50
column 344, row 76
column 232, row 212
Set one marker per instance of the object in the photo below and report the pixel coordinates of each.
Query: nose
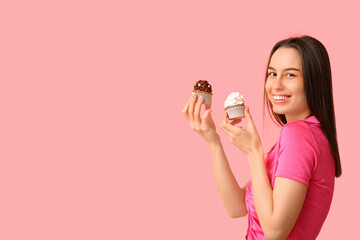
column 278, row 82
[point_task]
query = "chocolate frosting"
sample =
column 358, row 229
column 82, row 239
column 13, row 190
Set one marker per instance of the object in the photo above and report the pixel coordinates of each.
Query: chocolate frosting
column 202, row 85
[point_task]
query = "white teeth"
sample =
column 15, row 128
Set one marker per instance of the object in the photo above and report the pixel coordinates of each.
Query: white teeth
column 280, row 97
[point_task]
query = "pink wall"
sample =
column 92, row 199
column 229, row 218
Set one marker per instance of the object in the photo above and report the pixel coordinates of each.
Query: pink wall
column 93, row 143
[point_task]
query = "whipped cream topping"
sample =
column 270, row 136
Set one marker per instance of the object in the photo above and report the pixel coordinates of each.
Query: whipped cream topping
column 234, row 99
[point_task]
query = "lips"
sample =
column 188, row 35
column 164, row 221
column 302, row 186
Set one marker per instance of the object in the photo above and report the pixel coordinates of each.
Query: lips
column 277, row 97
column 280, row 98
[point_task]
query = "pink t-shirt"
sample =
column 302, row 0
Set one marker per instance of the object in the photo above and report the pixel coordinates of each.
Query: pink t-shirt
column 302, row 154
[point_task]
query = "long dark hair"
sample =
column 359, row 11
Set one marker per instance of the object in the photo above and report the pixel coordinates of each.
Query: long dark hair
column 318, row 88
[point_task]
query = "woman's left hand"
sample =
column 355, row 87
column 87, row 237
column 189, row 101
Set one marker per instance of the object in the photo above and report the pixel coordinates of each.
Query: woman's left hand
column 247, row 140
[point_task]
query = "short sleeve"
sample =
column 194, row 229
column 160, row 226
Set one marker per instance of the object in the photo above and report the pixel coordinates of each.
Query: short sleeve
column 297, row 154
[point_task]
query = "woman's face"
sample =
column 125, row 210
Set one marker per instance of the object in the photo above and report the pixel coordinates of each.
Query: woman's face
column 285, row 84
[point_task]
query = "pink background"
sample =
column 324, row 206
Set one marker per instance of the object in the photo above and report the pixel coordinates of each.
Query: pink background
column 93, row 143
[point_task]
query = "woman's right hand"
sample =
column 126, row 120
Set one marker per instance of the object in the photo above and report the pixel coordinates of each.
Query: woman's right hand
column 204, row 126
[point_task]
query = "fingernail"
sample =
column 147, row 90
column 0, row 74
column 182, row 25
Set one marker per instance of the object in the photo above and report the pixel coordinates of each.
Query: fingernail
column 194, row 95
column 201, row 98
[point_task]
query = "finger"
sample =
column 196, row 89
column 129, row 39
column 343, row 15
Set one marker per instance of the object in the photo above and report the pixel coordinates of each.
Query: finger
column 225, row 130
column 186, row 108
column 228, row 126
column 191, row 108
column 207, row 114
column 225, row 126
column 207, row 106
column 198, row 109
column 223, row 123
column 231, row 128
column 248, row 117
column 236, row 121
column 224, row 118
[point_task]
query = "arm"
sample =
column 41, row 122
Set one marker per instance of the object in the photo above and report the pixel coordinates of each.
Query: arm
column 277, row 208
column 232, row 194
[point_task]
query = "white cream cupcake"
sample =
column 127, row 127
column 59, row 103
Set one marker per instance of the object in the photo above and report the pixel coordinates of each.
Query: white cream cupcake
column 234, row 106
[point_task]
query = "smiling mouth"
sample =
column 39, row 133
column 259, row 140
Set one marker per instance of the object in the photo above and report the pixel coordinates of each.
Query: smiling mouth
column 279, row 98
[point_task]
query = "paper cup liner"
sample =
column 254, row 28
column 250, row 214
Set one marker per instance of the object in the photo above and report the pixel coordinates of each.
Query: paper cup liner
column 236, row 112
column 207, row 97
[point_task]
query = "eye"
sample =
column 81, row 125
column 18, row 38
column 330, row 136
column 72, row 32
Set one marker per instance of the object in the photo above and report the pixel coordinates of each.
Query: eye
column 290, row 75
column 272, row 74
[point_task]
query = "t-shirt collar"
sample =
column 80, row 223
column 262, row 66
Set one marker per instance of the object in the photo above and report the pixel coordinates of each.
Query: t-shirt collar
column 312, row 119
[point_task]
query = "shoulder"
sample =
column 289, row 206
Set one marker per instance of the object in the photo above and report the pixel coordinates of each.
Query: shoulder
column 298, row 128
column 298, row 133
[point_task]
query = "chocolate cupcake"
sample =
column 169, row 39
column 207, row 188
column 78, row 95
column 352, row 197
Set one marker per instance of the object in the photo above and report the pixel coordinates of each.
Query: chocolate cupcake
column 203, row 88
column 234, row 106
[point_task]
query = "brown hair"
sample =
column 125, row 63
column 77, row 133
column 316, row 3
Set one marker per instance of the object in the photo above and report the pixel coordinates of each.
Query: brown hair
column 318, row 88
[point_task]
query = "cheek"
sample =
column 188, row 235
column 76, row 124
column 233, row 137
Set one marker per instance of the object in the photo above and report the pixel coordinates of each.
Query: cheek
column 299, row 91
column 295, row 86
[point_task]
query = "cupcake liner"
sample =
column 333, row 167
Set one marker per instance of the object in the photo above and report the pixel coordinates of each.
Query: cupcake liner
column 207, row 97
column 236, row 112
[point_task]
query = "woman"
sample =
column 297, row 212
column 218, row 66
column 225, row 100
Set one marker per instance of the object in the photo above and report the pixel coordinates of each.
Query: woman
column 290, row 191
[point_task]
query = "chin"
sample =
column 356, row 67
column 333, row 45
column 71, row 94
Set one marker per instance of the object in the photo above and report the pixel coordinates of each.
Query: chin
column 276, row 110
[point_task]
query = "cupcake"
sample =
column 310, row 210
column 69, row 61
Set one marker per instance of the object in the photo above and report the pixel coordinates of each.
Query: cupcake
column 234, row 106
column 203, row 88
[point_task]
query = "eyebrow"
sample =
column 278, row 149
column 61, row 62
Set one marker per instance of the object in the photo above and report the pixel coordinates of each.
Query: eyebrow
column 286, row 69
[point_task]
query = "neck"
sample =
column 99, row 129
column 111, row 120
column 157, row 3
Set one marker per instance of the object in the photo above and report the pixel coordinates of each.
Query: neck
column 303, row 116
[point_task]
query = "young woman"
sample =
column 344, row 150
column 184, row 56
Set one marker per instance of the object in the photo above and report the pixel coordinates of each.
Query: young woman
column 290, row 191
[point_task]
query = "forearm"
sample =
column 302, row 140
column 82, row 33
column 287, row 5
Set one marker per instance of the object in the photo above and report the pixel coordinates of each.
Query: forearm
column 232, row 194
